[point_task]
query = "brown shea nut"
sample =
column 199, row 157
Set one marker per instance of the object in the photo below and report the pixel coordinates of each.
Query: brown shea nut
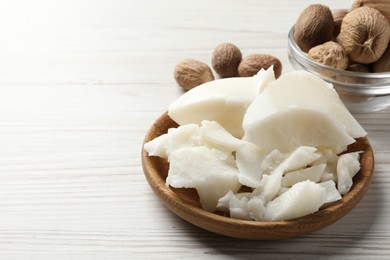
column 314, row 26
column 338, row 16
column 191, row 73
column 364, row 34
column 225, row 60
column 330, row 54
column 382, row 6
column 252, row 64
column 383, row 64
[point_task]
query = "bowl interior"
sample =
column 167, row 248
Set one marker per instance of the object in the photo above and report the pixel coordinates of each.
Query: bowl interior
column 185, row 202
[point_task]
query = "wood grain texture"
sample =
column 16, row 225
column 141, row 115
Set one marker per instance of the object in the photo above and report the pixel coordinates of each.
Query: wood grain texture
column 82, row 81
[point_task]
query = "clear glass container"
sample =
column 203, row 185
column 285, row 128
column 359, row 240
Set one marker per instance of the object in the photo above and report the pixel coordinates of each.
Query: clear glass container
column 342, row 80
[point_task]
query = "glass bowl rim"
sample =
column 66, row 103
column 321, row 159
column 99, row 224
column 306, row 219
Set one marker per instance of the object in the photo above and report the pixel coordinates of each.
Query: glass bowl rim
column 297, row 50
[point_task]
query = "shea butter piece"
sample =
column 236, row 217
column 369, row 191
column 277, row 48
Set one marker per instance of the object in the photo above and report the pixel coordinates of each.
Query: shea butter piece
column 216, row 136
column 264, row 77
column 299, row 158
column 347, row 166
column 301, row 89
column 312, row 173
column 223, row 100
column 175, row 138
column 288, row 129
column 295, row 202
column 248, row 206
column 250, row 164
column 331, row 193
column 211, row 172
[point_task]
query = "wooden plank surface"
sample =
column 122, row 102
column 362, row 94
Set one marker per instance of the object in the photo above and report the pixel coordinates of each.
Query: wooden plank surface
column 80, row 84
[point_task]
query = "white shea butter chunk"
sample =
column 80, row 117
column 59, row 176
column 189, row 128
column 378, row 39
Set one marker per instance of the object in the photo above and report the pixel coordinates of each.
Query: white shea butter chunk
column 248, row 206
column 331, row 192
column 347, row 166
column 272, row 161
column 312, row 173
column 224, row 101
column 298, row 159
column 271, row 184
column 264, row 77
column 330, row 158
column 256, row 208
column 175, row 138
column 238, row 207
column 210, row 133
column 296, row 202
column 302, row 90
column 216, row 136
column 211, row 172
column 327, row 176
column 157, row 146
column 288, row 129
column 250, row 163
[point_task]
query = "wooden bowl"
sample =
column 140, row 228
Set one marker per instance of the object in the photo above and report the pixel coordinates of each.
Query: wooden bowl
column 185, row 202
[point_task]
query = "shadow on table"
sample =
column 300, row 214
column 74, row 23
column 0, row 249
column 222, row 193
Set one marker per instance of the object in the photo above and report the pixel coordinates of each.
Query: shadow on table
column 349, row 236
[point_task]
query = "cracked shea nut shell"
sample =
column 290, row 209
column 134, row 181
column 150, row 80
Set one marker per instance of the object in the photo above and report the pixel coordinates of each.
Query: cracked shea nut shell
column 225, row 60
column 382, row 6
column 330, row 54
column 191, row 73
column 252, row 64
column 364, row 34
column 314, row 26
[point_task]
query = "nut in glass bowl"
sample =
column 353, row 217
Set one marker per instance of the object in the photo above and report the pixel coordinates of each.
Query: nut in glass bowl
column 344, row 81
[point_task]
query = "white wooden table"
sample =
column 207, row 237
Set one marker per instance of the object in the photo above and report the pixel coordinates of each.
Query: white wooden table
column 81, row 81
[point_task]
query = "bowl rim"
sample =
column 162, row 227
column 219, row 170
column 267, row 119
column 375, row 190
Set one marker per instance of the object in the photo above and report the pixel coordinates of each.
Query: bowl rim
column 248, row 229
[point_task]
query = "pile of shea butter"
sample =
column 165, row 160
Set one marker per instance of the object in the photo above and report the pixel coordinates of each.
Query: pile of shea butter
column 282, row 138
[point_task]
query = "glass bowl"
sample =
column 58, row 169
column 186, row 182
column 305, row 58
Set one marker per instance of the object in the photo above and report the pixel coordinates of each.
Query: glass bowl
column 342, row 80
